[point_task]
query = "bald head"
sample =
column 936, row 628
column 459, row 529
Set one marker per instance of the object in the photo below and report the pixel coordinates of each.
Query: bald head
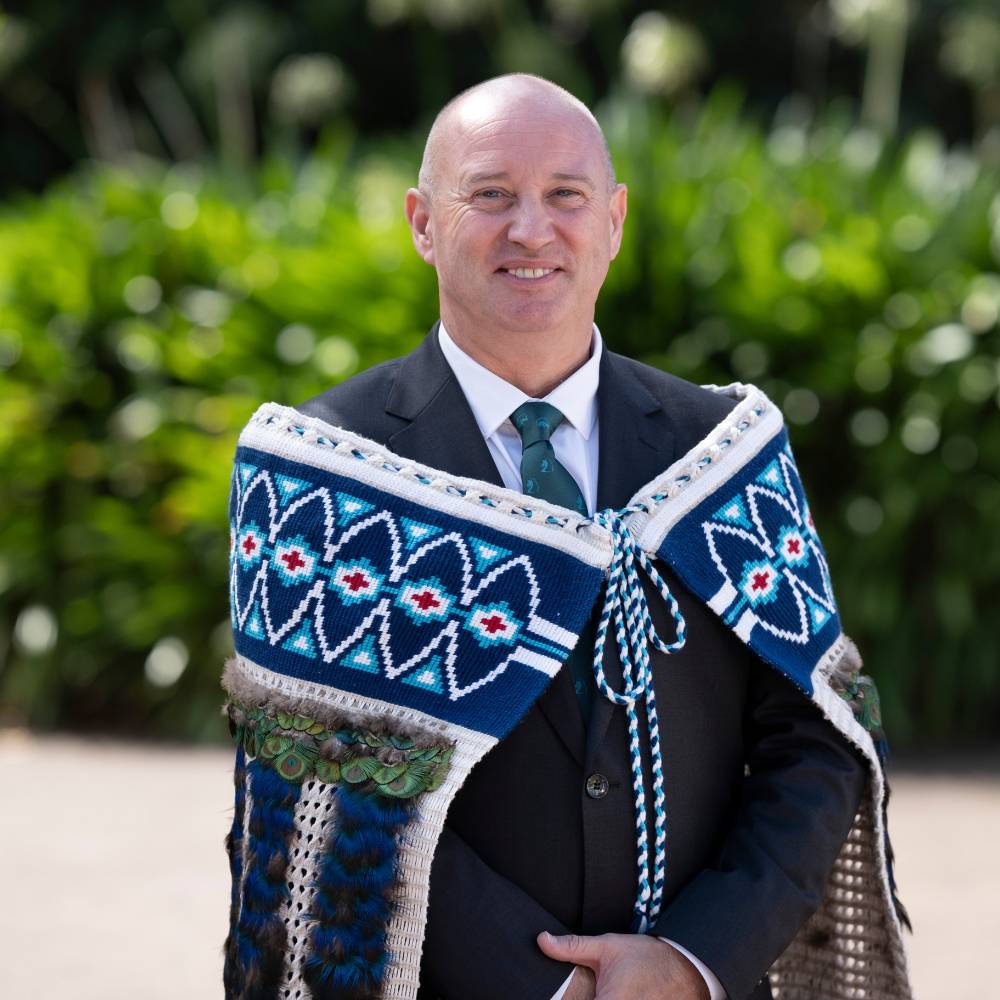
column 463, row 115
column 519, row 213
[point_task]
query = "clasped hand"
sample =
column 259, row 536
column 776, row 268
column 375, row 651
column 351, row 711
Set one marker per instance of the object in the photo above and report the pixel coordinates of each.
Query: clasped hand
column 624, row 967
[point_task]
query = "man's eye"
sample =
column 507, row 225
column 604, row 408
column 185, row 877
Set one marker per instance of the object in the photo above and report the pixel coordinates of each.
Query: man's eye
column 491, row 194
column 567, row 193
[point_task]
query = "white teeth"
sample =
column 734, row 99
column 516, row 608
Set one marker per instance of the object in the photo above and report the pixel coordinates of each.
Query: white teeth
column 531, row 272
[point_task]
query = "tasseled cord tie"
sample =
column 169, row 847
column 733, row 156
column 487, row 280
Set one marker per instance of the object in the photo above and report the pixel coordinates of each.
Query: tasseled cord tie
column 625, row 605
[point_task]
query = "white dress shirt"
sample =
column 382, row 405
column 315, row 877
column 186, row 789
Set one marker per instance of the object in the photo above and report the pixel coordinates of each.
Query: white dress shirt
column 574, row 442
column 493, row 401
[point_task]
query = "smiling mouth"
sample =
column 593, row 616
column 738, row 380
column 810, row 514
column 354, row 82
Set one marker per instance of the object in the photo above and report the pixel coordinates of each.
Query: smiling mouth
column 528, row 273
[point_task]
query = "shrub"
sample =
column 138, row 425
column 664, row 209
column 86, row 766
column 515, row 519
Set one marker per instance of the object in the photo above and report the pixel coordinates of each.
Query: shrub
column 145, row 312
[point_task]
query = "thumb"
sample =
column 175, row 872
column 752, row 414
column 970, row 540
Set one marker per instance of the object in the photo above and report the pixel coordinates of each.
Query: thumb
column 576, row 948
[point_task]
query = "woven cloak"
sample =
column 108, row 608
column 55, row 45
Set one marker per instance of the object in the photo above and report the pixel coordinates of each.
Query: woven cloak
column 393, row 623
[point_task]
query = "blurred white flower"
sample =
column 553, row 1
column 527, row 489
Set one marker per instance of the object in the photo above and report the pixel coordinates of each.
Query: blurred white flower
column 981, row 307
column 921, row 434
column 946, row 343
column 865, row 515
column 142, row 293
column 853, row 19
column 971, row 47
column 308, row 89
column 136, row 418
column 166, row 662
column 36, row 630
column 661, row 55
column 295, row 344
column 179, row 210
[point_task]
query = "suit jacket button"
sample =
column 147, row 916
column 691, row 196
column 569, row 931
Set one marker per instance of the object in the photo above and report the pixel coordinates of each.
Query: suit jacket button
column 597, row 785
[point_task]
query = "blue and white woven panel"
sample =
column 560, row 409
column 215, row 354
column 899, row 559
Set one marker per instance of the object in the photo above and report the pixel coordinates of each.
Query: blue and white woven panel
column 463, row 609
column 740, row 535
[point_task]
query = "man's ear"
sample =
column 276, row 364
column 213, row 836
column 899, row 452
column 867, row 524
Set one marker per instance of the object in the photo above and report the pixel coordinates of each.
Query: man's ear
column 418, row 215
column 618, row 210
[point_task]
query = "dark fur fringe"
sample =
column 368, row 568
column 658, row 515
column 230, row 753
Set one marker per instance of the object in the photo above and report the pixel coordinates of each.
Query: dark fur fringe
column 246, row 690
column 353, row 901
column 260, row 932
column 234, row 848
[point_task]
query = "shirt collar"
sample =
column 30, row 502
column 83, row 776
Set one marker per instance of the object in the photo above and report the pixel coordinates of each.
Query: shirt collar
column 493, row 399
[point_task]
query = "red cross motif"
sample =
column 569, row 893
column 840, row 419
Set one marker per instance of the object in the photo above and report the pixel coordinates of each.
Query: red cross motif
column 425, row 600
column 794, row 546
column 292, row 560
column 357, row 581
column 249, row 545
column 494, row 624
column 760, row 581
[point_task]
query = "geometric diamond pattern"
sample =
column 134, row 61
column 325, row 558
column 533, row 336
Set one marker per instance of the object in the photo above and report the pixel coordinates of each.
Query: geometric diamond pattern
column 294, row 560
column 355, row 586
column 425, row 600
column 763, row 542
column 355, row 581
column 493, row 624
column 760, row 583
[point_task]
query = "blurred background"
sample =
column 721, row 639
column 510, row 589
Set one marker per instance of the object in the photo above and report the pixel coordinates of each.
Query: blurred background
column 201, row 210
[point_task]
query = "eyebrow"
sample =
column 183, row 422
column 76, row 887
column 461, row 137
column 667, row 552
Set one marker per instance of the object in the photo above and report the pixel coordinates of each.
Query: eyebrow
column 504, row 175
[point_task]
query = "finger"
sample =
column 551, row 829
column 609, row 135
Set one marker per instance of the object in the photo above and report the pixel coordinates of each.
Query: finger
column 576, row 948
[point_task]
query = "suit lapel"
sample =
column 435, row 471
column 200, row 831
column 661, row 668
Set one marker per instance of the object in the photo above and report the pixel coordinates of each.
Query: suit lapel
column 442, row 431
column 636, row 444
column 636, row 437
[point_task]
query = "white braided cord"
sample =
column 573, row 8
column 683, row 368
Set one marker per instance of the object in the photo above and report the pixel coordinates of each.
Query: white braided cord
column 625, row 605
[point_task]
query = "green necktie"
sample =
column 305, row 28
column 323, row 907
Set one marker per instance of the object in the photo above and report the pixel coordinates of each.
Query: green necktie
column 543, row 476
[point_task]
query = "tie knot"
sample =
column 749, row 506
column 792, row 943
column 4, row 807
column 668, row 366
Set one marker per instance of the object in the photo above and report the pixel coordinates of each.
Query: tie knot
column 535, row 421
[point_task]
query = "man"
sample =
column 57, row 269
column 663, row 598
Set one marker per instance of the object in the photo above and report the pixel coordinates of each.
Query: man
column 519, row 212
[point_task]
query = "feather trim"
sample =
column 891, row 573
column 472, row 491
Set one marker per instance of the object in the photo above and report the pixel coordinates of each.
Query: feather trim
column 353, row 900
column 248, row 691
column 261, row 932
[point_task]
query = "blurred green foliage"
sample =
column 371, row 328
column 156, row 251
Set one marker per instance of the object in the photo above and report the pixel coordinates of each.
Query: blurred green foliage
column 144, row 314
column 186, row 78
column 146, row 311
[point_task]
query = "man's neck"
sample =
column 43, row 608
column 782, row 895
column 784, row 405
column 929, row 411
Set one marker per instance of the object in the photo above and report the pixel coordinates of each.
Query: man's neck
column 534, row 362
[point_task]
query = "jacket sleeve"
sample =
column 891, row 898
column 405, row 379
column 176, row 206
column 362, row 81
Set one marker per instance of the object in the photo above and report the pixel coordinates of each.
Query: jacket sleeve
column 476, row 915
column 799, row 798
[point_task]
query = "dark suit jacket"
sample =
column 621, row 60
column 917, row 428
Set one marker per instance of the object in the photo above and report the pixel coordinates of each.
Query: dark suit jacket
column 761, row 790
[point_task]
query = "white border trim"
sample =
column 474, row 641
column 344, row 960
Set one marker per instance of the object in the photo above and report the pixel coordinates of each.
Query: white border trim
column 577, row 536
column 751, row 425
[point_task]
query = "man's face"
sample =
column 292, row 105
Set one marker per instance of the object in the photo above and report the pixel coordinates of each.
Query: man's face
column 521, row 225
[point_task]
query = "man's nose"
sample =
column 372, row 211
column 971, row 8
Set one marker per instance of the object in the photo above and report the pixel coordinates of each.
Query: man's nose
column 530, row 225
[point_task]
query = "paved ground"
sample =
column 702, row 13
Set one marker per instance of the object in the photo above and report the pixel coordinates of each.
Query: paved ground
column 116, row 885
